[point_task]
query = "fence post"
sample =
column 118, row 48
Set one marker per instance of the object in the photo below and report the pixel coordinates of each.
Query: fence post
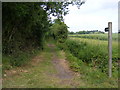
column 110, row 47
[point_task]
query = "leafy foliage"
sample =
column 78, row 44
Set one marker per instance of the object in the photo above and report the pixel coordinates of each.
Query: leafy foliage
column 23, row 30
column 71, row 32
column 25, row 26
column 59, row 31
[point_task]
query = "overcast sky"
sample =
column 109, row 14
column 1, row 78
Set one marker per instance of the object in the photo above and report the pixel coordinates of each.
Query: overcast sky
column 93, row 15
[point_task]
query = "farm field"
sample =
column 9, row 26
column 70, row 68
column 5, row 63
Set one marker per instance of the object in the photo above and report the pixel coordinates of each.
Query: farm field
column 93, row 49
column 95, row 36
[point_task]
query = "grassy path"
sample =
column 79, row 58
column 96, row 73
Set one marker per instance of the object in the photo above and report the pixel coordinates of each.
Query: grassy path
column 48, row 69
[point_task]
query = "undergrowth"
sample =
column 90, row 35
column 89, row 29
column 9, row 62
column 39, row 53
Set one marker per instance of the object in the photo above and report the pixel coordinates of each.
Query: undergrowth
column 91, row 75
column 21, row 58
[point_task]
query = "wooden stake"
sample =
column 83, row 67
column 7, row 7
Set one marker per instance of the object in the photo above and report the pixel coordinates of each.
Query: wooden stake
column 110, row 47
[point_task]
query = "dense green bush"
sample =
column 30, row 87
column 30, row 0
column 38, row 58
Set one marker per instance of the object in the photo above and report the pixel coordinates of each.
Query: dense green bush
column 59, row 31
column 25, row 26
column 23, row 30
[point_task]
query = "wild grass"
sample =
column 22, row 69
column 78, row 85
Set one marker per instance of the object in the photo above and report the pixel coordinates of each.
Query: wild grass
column 93, row 76
column 11, row 61
column 36, row 77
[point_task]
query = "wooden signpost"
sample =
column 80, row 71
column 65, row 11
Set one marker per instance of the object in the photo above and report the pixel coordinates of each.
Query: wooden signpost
column 109, row 30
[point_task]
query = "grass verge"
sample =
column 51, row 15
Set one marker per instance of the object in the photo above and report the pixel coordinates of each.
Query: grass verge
column 18, row 60
column 94, row 77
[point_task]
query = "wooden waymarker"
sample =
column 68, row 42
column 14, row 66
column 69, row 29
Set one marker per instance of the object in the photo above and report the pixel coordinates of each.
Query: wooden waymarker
column 109, row 30
column 110, row 47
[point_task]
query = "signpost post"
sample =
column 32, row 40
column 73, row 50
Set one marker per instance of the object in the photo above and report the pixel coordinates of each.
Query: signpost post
column 109, row 30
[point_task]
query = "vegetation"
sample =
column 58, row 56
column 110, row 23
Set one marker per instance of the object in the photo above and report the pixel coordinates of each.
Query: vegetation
column 92, row 52
column 93, row 76
column 59, row 31
column 70, row 32
column 90, row 58
column 36, row 77
column 28, row 29
column 96, row 36
column 88, row 32
column 27, row 26
column 40, row 73
column 23, row 30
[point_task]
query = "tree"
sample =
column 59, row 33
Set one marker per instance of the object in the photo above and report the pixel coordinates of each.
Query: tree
column 71, row 32
column 24, row 27
column 59, row 31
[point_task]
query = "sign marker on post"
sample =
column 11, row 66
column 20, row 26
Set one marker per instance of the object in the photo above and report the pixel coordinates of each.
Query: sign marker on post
column 109, row 30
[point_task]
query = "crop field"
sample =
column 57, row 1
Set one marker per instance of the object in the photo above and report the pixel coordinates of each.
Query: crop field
column 96, row 36
column 94, row 51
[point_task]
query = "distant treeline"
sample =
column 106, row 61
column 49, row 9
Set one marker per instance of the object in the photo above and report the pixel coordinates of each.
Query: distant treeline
column 87, row 32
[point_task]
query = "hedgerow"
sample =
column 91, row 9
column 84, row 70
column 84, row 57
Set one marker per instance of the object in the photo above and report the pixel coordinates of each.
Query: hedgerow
column 94, row 55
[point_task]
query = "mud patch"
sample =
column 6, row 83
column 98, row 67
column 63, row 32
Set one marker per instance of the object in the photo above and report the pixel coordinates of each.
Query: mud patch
column 14, row 72
column 50, row 45
column 36, row 60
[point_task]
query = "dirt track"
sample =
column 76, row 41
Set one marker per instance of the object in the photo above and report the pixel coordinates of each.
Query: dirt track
column 64, row 72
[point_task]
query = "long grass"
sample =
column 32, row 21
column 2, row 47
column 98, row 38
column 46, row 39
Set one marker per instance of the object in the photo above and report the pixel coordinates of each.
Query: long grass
column 93, row 76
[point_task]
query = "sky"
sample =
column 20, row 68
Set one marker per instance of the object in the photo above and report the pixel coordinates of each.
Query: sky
column 119, row 16
column 93, row 15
